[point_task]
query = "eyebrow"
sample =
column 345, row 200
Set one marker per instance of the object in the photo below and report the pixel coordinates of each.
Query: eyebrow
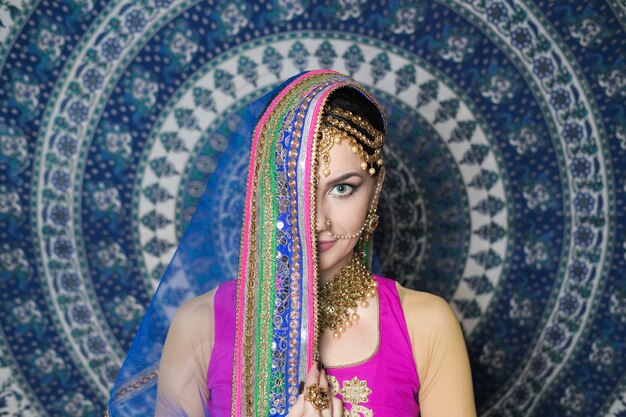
column 345, row 177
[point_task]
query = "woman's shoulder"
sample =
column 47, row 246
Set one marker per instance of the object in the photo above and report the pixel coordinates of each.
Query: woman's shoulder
column 199, row 311
column 425, row 310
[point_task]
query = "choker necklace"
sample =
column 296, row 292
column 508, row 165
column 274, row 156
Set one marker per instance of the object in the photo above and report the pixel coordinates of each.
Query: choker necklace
column 352, row 286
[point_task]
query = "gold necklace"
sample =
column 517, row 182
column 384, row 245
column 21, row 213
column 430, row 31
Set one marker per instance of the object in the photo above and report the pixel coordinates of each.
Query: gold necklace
column 352, row 286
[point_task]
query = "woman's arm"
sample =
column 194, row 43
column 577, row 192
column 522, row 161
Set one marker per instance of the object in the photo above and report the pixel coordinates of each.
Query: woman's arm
column 185, row 359
column 440, row 355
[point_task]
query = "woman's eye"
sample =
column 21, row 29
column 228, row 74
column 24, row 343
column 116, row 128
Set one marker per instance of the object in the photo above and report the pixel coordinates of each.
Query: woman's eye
column 342, row 190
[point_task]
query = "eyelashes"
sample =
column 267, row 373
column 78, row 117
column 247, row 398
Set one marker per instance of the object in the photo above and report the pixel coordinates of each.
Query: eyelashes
column 342, row 190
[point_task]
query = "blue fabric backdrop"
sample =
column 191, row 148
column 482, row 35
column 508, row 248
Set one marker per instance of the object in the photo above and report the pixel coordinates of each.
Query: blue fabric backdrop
column 505, row 191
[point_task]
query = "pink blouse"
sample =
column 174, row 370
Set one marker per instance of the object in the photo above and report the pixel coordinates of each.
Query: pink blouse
column 384, row 385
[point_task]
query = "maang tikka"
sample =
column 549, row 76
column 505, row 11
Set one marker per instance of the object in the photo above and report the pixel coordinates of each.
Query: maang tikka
column 338, row 125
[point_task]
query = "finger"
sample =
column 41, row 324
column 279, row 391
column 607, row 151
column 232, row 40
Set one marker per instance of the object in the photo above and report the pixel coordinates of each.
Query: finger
column 337, row 406
column 313, row 375
column 298, row 407
column 323, row 380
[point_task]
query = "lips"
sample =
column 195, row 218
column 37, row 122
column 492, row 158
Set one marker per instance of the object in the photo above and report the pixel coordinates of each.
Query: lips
column 324, row 245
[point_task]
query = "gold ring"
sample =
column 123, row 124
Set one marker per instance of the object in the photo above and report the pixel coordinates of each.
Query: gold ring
column 317, row 396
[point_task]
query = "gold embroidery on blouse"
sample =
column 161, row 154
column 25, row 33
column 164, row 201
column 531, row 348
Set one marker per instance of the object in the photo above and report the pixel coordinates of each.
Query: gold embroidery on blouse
column 353, row 392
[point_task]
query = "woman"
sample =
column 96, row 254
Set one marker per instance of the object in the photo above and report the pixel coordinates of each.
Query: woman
column 306, row 329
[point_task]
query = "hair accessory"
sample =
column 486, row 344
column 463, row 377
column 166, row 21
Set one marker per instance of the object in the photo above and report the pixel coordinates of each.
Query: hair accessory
column 338, row 125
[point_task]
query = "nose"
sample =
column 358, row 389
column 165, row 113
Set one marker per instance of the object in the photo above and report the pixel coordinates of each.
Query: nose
column 319, row 217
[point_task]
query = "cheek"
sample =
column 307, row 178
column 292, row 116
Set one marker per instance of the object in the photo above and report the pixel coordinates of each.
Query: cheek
column 349, row 215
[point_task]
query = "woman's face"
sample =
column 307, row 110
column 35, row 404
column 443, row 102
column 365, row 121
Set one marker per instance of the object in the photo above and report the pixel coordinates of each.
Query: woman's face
column 344, row 198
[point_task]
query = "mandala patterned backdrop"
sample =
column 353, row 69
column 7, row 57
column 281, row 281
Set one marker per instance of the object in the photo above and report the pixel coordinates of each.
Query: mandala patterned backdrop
column 505, row 192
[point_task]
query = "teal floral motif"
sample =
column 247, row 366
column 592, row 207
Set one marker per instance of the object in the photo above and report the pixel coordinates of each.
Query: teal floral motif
column 13, row 152
column 111, row 260
column 492, row 358
column 28, row 317
column 162, row 167
column 154, row 220
column 573, row 401
column 497, row 88
column 24, row 96
column 299, row 55
column 488, row 259
column 405, row 77
column 588, row 31
column 127, row 311
column 476, row 154
column 172, row 142
column 455, row 46
column 234, row 16
column 537, row 192
column 484, row 180
column 491, row 232
column 14, row 266
column 524, row 140
column 520, row 308
column 50, row 364
column 180, row 46
column 325, row 55
column 157, row 194
column 463, row 131
column 105, row 201
column 447, row 110
column 10, row 208
column 77, row 405
column 353, row 58
column 273, row 60
column 613, row 81
column 480, row 284
column 408, row 17
column 350, row 9
column 183, row 44
column 141, row 91
column 224, row 82
column 186, row 119
column 428, row 92
column 489, row 206
column 247, row 68
column 290, row 9
column 468, row 308
column 618, row 304
column 115, row 141
column 380, row 65
column 144, row 89
column 47, row 40
column 157, row 247
column 536, row 253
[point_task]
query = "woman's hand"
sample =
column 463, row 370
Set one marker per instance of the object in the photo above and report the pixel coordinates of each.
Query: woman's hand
column 303, row 408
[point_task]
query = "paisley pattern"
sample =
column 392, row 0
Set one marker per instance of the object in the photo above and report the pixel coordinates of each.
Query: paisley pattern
column 506, row 190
